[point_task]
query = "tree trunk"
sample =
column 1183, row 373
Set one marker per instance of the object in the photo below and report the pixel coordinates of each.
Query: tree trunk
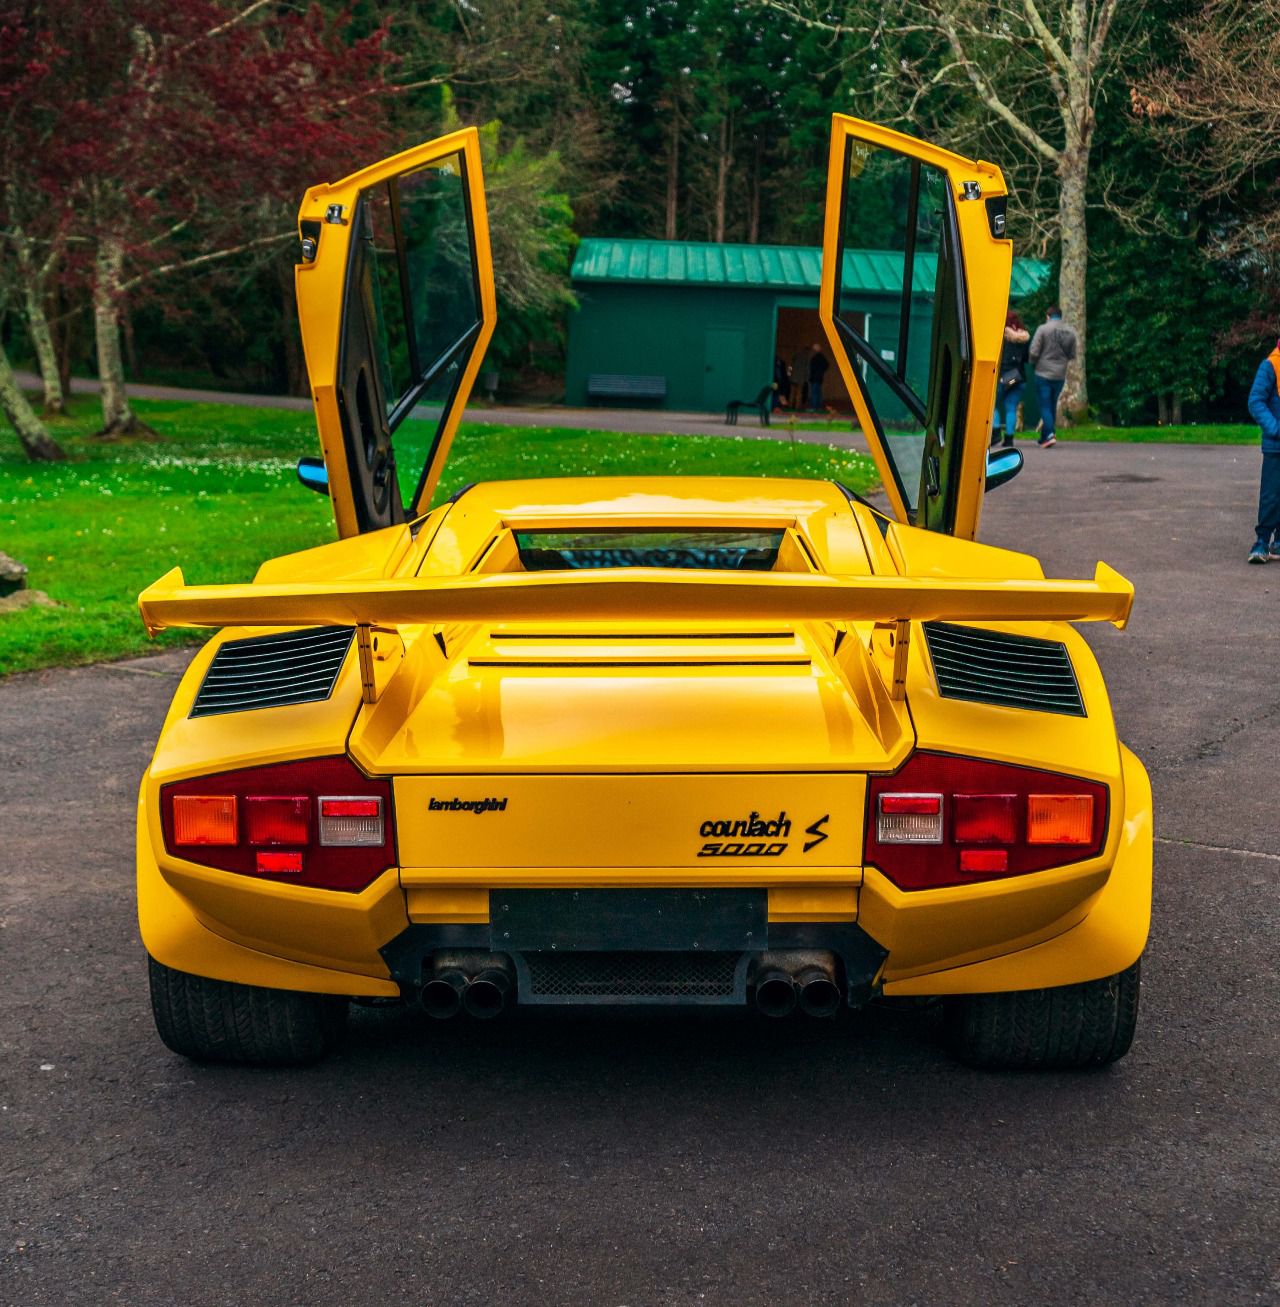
column 55, row 401
column 673, row 176
column 1175, row 410
column 64, row 341
column 724, row 158
column 753, row 208
column 1073, row 177
column 118, row 418
column 33, row 286
column 1162, row 409
column 40, row 447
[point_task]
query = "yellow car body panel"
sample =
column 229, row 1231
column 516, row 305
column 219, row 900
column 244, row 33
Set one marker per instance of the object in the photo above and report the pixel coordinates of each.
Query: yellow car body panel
column 642, row 728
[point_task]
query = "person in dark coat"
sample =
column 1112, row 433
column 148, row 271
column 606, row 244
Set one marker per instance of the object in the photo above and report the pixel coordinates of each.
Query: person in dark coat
column 1264, row 408
column 818, row 366
column 781, row 382
column 1011, row 380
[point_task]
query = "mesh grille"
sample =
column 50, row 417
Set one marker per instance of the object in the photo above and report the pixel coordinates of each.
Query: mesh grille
column 270, row 671
column 1014, row 671
column 631, row 975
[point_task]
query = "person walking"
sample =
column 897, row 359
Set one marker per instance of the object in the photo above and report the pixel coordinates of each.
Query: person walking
column 818, row 366
column 781, row 383
column 799, row 378
column 1052, row 349
column 1264, row 408
column 1011, row 380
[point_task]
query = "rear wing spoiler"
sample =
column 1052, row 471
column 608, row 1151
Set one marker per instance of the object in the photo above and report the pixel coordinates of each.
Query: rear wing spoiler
column 623, row 594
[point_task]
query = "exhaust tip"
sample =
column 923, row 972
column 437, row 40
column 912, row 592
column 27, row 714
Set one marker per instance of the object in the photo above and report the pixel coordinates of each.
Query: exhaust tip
column 487, row 995
column 442, row 994
column 775, row 994
column 819, row 993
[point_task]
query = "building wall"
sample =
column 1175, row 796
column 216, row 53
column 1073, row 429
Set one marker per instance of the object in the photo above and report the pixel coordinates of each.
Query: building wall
column 711, row 343
column 663, row 331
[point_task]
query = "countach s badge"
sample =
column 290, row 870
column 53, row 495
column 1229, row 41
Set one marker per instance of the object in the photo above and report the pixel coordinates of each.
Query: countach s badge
column 739, row 741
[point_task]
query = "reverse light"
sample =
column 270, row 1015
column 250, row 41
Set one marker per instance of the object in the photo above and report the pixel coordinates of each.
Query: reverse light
column 946, row 820
column 204, row 819
column 318, row 822
column 350, row 821
column 909, row 819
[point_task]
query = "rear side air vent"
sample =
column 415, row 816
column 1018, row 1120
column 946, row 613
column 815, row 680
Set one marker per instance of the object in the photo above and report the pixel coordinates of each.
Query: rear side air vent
column 1014, row 671
column 271, row 671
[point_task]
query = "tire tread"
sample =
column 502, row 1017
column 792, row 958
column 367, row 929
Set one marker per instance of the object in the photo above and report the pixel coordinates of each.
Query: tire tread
column 1067, row 1027
column 219, row 1021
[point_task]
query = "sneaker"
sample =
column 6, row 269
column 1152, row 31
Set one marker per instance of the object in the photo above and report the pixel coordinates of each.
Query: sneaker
column 1008, row 443
column 1273, row 552
column 1259, row 554
column 1045, row 441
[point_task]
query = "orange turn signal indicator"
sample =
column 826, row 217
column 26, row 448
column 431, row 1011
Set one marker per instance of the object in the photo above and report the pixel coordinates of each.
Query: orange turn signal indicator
column 204, row 819
column 1059, row 818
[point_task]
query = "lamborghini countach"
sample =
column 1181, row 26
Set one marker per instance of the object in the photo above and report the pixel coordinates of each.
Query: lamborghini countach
column 646, row 740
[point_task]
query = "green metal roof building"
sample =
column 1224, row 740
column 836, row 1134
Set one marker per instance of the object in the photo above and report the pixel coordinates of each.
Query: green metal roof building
column 710, row 319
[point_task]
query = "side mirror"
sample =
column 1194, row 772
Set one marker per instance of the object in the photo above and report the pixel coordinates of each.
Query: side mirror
column 315, row 476
column 1002, row 465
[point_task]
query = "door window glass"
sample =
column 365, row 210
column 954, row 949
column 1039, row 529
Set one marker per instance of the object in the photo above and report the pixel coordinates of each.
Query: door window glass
column 894, row 234
column 421, row 281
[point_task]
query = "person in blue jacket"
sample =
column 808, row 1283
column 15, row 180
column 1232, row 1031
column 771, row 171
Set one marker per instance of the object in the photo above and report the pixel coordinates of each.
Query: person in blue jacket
column 1264, row 408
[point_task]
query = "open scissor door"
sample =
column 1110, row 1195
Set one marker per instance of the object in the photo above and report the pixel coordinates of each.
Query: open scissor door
column 920, row 358
column 396, row 303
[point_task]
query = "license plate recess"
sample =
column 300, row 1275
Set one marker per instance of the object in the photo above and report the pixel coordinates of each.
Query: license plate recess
column 651, row 920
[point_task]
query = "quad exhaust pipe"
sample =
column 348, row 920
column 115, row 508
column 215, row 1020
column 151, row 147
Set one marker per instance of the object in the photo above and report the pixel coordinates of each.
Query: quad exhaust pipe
column 806, row 981
column 481, row 985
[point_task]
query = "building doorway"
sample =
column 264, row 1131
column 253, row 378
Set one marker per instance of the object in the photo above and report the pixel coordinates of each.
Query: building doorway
column 800, row 329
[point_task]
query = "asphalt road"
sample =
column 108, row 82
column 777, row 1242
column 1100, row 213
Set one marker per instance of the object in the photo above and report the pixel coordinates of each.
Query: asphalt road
column 675, row 1160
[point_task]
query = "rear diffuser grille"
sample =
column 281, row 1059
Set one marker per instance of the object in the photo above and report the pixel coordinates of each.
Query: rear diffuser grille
column 633, row 977
column 1013, row 671
column 272, row 671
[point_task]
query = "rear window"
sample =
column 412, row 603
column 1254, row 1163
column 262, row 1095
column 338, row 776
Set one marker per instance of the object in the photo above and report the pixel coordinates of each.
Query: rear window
column 711, row 551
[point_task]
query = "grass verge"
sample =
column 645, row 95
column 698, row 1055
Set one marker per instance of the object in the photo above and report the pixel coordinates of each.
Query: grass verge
column 1193, row 434
column 216, row 493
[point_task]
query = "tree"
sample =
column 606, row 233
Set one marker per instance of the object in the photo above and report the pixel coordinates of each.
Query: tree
column 1032, row 73
column 31, row 221
column 183, row 130
column 1216, row 106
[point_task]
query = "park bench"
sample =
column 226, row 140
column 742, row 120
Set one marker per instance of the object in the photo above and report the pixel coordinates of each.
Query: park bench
column 612, row 385
column 761, row 404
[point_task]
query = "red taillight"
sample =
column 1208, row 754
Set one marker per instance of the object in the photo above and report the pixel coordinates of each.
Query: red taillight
column 272, row 822
column 985, row 818
column 276, row 819
column 278, row 864
column 992, row 819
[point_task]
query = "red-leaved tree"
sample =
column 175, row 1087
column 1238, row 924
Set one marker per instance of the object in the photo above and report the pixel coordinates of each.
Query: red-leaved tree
column 170, row 135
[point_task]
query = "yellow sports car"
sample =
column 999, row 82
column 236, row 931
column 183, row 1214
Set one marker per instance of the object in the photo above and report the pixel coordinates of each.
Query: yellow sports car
column 661, row 740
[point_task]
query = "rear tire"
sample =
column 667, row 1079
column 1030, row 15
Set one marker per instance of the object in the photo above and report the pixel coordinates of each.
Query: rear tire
column 1069, row 1027
column 217, row 1021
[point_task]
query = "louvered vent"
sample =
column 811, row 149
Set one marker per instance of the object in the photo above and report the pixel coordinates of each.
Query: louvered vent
column 271, row 671
column 1014, row 671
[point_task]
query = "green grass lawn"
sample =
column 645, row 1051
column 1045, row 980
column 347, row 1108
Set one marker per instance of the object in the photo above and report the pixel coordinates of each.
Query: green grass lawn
column 1188, row 434
column 216, row 493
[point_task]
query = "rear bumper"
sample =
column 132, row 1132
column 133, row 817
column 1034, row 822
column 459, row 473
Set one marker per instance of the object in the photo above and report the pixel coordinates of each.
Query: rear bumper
column 379, row 942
